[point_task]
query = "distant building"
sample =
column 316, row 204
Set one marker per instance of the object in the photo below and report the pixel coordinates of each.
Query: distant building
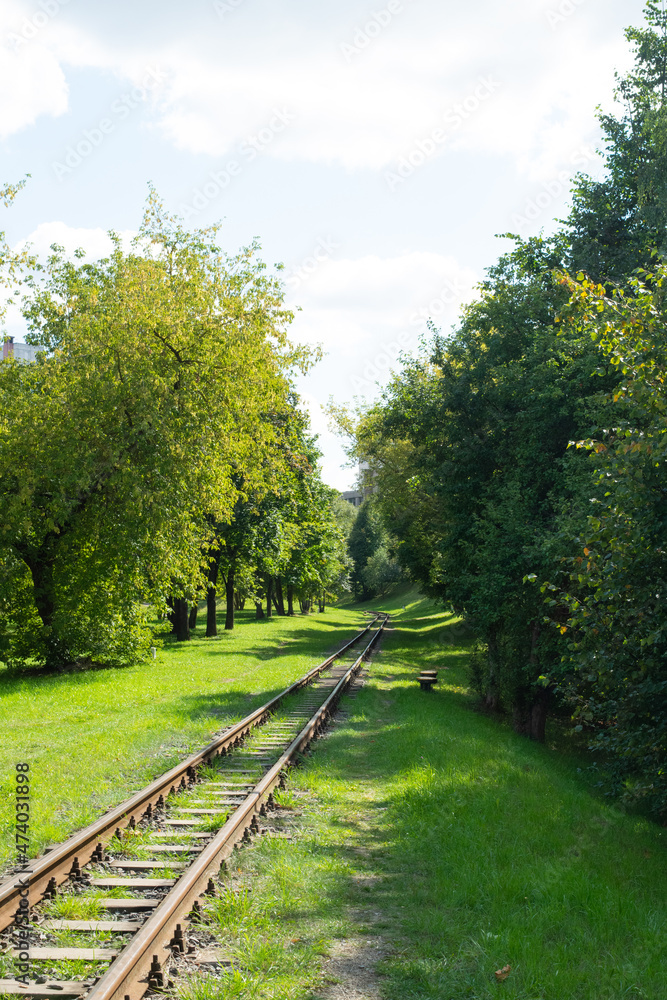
column 355, row 497
column 368, row 487
column 21, row 352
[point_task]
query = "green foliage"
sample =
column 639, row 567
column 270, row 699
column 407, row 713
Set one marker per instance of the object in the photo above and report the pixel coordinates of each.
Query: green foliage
column 381, row 571
column 365, row 540
column 319, row 564
column 488, row 416
column 117, row 446
column 613, row 580
column 616, row 223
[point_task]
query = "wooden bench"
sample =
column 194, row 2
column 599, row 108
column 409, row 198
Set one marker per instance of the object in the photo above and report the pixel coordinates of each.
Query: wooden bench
column 427, row 678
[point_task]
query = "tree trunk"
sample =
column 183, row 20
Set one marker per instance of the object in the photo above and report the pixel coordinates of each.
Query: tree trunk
column 538, row 715
column 279, row 599
column 239, row 602
column 211, row 608
column 269, row 595
column 171, row 614
column 540, row 706
column 192, row 622
column 41, row 571
column 290, row 600
column 259, row 610
column 181, row 616
column 212, row 594
column 41, row 568
column 521, row 714
column 491, row 696
column 229, row 591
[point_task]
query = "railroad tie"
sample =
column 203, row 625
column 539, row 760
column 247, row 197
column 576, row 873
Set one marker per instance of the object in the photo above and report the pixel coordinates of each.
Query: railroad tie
column 134, row 883
column 53, row 988
column 173, row 848
column 147, row 865
column 116, row 926
column 202, row 812
column 70, row 954
column 130, row 903
column 192, row 834
column 181, row 822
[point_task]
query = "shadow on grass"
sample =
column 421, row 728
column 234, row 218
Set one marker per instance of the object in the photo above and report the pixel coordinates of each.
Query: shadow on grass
column 297, row 642
column 227, row 705
column 227, row 645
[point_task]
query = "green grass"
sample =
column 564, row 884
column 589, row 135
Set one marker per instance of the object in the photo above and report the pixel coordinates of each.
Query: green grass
column 457, row 845
column 93, row 738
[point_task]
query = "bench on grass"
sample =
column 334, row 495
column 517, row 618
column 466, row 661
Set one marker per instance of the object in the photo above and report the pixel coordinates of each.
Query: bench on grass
column 427, row 679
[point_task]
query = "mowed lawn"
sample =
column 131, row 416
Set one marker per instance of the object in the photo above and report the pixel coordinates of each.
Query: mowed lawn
column 435, row 838
column 92, row 738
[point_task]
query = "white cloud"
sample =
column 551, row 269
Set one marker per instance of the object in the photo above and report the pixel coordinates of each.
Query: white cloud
column 365, row 312
column 32, row 83
column 226, row 77
column 365, row 113
column 95, row 242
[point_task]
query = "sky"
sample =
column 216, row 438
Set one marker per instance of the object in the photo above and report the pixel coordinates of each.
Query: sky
column 375, row 149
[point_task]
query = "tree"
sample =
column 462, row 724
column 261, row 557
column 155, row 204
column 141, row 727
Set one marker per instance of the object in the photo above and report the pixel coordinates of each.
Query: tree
column 118, row 443
column 381, row 571
column 616, row 223
column 366, row 537
column 614, row 576
column 13, row 263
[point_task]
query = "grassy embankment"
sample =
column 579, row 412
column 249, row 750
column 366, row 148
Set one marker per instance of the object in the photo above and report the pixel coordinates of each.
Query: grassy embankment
column 92, row 738
column 437, row 839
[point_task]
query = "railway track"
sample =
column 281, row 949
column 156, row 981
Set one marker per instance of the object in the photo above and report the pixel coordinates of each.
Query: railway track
column 133, row 879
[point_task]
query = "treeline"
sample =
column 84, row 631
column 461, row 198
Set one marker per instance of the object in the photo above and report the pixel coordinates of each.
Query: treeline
column 521, row 462
column 155, row 451
column 374, row 568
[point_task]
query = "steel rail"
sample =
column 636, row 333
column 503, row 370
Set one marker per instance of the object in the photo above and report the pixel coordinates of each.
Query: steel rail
column 44, row 874
column 128, row 975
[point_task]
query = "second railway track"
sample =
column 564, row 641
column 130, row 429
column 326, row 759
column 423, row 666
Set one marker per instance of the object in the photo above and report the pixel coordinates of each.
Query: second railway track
column 135, row 875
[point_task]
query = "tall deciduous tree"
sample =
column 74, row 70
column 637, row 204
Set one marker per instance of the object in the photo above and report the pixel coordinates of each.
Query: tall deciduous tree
column 617, row 222
column 158, row 367
column 614, row 578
